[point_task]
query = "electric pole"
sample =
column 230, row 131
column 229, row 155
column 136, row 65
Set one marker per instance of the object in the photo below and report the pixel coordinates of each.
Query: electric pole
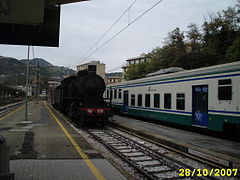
column 26, row 97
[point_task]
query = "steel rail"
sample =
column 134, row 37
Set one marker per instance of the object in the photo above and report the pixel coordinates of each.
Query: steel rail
column 164, row 161
column 120, row 155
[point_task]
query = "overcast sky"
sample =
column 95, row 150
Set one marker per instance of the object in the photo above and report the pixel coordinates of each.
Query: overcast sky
column 82, row 24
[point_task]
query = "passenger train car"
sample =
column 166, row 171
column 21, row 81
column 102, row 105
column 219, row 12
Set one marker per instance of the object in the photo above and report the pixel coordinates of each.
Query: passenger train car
column 207, row 97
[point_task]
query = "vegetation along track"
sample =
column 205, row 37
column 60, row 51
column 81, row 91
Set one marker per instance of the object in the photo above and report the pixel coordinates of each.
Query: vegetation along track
column 150, row 160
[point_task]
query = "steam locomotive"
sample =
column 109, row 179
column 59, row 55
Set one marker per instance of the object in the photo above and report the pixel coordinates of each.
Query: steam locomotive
column 81, row 98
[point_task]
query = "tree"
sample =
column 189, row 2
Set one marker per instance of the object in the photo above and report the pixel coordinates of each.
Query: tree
column 233, row 52
column 175, row 47
column 194, row 38
column 220, row 32
column 175, row 39
column 218, row 42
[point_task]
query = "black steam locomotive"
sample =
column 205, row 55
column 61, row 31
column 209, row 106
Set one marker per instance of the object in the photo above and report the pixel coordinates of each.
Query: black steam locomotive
column 81, row 97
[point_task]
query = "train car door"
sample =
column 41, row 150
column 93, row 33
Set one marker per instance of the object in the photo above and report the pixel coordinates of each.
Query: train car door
column 125, row 101
column 200, row 105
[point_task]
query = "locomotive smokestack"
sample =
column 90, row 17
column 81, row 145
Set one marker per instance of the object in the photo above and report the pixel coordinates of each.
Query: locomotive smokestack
column 92, row 69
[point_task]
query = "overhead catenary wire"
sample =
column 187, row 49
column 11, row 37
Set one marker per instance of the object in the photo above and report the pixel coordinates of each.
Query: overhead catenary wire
column 129, row 24
column 109, row 29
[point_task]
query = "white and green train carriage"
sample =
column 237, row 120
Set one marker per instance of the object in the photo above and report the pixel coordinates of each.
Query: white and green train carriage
column 206, row 97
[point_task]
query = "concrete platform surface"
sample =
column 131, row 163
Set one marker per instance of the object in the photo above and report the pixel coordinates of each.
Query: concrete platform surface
column 224, row 152
column 61, row 169
column 39, row 149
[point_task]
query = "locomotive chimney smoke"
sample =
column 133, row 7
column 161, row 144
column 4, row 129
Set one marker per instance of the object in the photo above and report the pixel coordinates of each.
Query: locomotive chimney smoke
column 92, row 69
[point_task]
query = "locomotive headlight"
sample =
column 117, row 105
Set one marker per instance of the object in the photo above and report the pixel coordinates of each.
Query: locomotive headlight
column 100, row 110
column 89, row 111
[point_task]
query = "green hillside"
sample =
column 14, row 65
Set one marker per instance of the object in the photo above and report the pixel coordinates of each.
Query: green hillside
column 37, row 61
column 11, row 66
column 12, row 71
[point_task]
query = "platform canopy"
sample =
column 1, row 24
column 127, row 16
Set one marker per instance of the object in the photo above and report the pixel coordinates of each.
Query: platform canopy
column 60, row 2
column 31, row 22
column 27, row 11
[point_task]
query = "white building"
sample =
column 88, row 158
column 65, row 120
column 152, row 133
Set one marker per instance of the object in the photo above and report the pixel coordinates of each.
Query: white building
column 135, row 60
column 23, row 88
column 114, row 77
column 100, row 67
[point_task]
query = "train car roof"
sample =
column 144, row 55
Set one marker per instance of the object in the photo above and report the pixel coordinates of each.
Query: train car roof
column 206, row 70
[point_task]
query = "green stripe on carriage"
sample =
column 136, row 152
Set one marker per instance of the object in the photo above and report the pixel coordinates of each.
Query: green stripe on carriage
column 162, row 116
column 215, row 123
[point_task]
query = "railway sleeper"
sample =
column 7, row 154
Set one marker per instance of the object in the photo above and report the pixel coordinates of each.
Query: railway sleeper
column 150, row 162
column 128, row 150
column 117, row 144
column 137, row 154
column 112, row 142
column 157, row 169
column 141, row 159
column 172, row 174
column 122, row 148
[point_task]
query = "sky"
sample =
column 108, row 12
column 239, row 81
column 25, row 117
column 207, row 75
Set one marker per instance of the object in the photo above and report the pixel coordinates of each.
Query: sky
column 83, row 23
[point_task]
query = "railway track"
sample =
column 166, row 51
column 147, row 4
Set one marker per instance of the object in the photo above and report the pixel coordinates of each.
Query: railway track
column 7, row 108
column 148, row 159
column 151, row 160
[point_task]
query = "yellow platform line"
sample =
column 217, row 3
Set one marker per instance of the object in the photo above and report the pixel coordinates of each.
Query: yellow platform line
column 11, row 113
column 89, row 163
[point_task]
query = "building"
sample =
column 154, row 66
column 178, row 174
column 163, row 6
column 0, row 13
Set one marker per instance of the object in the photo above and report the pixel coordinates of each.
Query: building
column 23, row 88
column 20, row 88
column 100, row 67
column 114, row 77
column 135, row 60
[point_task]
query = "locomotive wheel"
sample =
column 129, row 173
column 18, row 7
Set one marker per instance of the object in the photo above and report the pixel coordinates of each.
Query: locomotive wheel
column 81, row 122
column 72, row 114
column 103, row 122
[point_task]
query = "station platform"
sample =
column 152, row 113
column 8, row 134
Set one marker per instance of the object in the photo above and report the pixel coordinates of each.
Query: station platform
column 223, row 152
column 62, row 169
column 45, row 147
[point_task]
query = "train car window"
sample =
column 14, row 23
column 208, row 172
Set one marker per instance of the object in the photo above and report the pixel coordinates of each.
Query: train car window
column 225, row 89
column 181, row 101
column 167, row 101
column 115, row 93
column 119, row 93
column 139, row 100
column 107, row 93
column 133, row 100
column 111, row 94
column 147, row 100
column 157, row 100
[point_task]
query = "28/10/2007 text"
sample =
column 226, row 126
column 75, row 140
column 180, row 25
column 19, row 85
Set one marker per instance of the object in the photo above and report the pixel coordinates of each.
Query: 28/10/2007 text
column 208, row 172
